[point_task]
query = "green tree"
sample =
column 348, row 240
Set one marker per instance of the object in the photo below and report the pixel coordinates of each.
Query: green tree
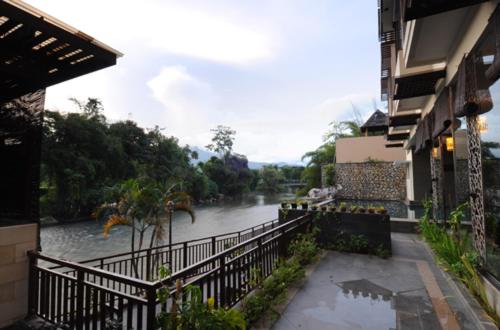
column 325, row 154
column 222, row 141
column 271, row 179
column 143, row 204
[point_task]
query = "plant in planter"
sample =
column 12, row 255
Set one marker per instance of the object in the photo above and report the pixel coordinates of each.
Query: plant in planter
column 294, row 205
column 361, row 209
column 381, row 210
column 314, row 207
column 323, row 208
column 332, row 208
column 343, row 207
column 304, row 205
column 353, row 208
column 284, row 205
column 371, row 209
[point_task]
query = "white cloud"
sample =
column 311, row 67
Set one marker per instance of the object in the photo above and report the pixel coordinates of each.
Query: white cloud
column 202, row 35
column 189, row 104
column 174, row 28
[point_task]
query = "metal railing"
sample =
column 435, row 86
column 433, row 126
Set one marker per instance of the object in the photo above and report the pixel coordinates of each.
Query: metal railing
column 144, row 263
column 84, row 297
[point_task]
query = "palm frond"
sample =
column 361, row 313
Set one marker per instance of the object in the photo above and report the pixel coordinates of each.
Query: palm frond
column 114, row 220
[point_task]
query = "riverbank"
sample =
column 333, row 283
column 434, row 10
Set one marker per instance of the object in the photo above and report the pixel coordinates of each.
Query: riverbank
column 84, row 239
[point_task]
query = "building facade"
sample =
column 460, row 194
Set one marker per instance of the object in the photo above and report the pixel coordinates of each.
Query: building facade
column 440, row 63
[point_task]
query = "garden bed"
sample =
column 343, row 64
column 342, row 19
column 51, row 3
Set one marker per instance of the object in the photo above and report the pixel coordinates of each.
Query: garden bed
column 349, row 231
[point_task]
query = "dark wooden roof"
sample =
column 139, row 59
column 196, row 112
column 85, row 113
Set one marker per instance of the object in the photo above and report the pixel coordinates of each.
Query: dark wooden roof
column 37, row 51
column 417, row 85
column 378, row 121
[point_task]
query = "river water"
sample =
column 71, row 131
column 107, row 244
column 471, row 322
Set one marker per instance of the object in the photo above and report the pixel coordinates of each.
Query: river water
column 84, row 240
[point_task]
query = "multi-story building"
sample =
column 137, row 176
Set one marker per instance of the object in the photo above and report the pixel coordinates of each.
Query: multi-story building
column 440, row 64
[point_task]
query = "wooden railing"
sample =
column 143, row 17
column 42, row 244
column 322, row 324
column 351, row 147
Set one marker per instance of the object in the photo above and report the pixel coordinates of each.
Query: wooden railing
column 83, row 297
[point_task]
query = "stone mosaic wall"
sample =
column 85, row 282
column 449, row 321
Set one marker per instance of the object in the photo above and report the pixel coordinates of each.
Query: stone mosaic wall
column 377, row 180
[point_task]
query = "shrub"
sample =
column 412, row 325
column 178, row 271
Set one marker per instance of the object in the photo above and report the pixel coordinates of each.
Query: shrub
column 272, row 291
column 304, row 248
column 192, row 313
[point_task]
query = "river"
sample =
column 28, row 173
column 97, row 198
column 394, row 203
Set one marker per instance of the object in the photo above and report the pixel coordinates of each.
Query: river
column 84, row 240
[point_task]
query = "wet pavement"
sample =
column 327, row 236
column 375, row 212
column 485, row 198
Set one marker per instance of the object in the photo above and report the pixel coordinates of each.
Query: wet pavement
column 406, row 291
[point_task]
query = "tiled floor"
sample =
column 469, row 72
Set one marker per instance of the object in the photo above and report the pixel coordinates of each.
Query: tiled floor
column 353, row 291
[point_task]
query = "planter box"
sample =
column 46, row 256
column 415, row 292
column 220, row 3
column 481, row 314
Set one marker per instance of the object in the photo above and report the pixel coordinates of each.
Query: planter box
column 375, row 228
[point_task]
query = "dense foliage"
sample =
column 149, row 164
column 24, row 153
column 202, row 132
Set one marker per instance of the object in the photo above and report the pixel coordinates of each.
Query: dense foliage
column 83, row 155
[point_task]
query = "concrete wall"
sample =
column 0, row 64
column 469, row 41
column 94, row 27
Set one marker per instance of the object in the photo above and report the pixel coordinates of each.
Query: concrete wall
column 15, row 241
column 361, row 149
column 492, row 294
column 372, row 180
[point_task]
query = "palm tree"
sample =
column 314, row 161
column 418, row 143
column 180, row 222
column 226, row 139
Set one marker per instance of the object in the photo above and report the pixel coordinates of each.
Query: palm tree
column 142, row 204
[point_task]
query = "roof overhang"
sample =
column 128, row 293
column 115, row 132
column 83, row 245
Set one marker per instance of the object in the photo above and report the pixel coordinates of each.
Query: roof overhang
column 424, row 8
column 38, row 51
column 417, row 85
column 398, row 144
column 397, row 135
column 405, row 118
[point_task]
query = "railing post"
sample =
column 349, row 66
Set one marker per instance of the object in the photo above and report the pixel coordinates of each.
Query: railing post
column 213, row 246
column 79, row 298
column 185, row 255
column 282, row 243
column 151, row 307
column 260, row 257
column 239, row 237
column 148, row 265
column 222, row 272
column 32, row 285
column 102, row 267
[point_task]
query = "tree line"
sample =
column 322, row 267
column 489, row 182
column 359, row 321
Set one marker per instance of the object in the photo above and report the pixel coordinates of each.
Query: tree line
column 84, row 155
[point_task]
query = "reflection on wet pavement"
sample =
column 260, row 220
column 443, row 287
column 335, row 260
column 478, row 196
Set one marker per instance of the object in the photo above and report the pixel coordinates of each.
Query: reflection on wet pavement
column 353, row 291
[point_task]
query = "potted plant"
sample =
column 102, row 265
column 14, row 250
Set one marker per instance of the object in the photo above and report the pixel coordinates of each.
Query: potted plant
column 353, row 208
column 323, row 208
column 332, row 208
column 304, row 205
column 343, row 207
column 381, row 210
column 361, row 209
column 284, row 205
column 314, row 207
column 371, row 209
column 294, row 205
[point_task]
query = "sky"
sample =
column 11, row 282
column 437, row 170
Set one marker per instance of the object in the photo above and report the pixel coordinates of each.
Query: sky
column 276, row 71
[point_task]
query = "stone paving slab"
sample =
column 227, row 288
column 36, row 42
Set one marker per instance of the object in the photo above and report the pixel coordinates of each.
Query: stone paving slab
column 354, row 291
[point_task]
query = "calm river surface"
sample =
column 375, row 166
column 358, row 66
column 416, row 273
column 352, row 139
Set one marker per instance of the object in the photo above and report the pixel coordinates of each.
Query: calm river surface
column 84, row 240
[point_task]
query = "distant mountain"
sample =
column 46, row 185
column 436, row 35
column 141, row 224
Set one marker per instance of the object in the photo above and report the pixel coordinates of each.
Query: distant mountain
column 204, row 155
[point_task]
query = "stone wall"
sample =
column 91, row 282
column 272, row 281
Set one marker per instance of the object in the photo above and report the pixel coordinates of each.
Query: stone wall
column 372, row 180
column 15, row 241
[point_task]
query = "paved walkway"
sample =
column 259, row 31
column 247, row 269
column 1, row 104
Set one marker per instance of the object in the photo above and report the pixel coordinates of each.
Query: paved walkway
column 407, row 291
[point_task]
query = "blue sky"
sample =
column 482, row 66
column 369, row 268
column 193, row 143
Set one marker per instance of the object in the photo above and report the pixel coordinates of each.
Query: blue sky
column 275, row 71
